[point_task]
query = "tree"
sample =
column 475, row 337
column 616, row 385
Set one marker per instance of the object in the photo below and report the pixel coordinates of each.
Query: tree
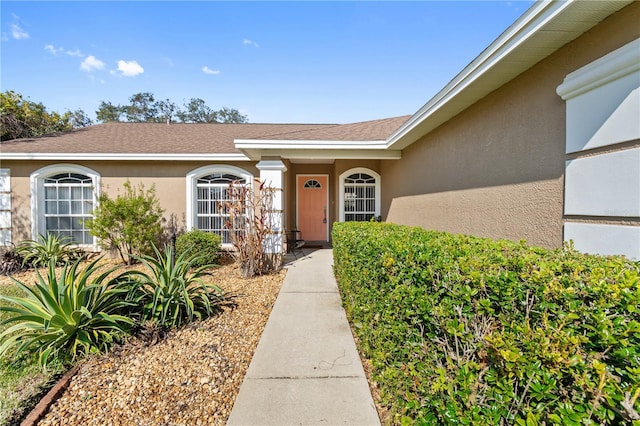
column 143, row 108
column 230, row 115
column 22, row 118
column 130, row 223
column 79, row 118
column 196, row 111
column 109, row 112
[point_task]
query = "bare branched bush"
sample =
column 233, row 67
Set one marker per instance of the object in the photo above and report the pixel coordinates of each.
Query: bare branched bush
column 251, row 220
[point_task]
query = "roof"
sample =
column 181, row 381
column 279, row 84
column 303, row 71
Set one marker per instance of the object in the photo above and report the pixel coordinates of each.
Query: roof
column 544, row 28
column 184, row 141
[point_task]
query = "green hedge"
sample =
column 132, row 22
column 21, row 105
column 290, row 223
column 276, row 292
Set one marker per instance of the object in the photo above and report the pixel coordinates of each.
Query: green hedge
column 466, row 330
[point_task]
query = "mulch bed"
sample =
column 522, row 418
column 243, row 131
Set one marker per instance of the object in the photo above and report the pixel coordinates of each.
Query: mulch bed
column 190, row 377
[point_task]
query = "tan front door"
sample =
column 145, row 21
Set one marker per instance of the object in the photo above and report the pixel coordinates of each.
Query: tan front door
column 312, row 207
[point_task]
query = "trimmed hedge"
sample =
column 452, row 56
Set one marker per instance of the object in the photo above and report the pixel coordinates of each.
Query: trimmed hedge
column 466, row 330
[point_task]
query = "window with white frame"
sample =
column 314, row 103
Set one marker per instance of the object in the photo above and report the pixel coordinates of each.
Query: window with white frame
column 359, row 195
column 208, row 189
column 63, row 198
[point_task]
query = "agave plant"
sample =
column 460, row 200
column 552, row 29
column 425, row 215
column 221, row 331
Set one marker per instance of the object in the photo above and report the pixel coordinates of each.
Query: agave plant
column 48, row 247
column 173, row 292
column 75, row 313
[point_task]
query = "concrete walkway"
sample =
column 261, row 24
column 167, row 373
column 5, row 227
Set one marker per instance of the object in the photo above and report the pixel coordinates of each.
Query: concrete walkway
column 306, row 369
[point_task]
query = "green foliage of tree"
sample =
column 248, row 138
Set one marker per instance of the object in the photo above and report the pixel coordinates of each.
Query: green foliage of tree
column 22, row 118
column 144, row 108
column 130, row 223
column 197, row 111
column 109, row 112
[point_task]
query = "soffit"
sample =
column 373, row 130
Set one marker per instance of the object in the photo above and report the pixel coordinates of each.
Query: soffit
column 542, row 30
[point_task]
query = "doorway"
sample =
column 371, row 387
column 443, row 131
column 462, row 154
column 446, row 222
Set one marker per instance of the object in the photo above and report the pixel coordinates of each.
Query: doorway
column 312, row 209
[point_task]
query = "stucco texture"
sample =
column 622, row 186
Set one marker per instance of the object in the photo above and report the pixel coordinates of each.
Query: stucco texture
column 497, row 169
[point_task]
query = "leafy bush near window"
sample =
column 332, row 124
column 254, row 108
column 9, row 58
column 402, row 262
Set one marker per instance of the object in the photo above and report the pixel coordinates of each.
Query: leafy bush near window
column 203, row 245
column 130, row 223
column 171, row 292
column 66, row 315
column 47, row 248
column 465, row 330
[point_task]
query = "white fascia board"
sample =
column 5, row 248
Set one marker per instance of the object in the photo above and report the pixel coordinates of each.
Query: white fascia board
column 123, row 157
column 525, row 27
column 324, row 154
column 341, row 154
column 306, row 145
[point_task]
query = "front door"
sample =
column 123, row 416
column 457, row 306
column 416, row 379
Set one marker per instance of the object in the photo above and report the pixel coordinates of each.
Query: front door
column 312, row 207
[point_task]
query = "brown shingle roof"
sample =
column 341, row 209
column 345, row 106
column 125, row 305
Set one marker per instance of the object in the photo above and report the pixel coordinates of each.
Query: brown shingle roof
column 156, row 138
column 374, row 130
column 179, row 138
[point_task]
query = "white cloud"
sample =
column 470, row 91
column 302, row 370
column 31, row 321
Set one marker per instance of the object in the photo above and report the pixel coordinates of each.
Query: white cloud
column 91, row 63
column 52, row 49
column 209, row 71
column 248, row 42
column 18, row 33
column 56, row 50
column 74, row 53
column 130, row 68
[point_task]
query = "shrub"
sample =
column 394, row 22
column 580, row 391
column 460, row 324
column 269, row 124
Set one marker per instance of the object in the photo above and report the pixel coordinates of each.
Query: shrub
column 130, row 223
column 464, row 330
column 11, row 262
column 49, row 247
column 172, row 291
column 204, row 245
column 249, row 224
column 72, row 314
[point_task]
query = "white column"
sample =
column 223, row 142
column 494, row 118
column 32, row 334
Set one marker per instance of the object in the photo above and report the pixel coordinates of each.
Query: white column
column 272, row 173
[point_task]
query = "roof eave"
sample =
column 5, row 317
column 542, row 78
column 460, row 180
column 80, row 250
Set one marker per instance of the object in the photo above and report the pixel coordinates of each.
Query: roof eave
column 527, row 41
column 256, row 149
column 124, row 156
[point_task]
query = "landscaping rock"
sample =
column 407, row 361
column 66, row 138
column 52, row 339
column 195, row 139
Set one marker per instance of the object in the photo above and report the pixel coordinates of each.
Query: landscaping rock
column 191, row 377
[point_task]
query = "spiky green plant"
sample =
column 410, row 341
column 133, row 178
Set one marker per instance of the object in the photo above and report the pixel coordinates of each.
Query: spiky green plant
column 173, row 292
column 74, row 313
column 48, row 247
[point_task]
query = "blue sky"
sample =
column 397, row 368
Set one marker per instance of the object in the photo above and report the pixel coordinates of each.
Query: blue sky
column 297, row 62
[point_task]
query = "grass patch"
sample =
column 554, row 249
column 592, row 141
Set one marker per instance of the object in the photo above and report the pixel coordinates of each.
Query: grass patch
column 22, row 380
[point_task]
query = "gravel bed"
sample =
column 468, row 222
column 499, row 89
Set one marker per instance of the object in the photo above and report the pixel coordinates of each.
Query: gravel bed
column 191, row 377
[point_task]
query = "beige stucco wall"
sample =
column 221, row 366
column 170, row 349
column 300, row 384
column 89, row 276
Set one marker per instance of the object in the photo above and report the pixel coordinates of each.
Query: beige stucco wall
column 497, row 169
column 169, row 179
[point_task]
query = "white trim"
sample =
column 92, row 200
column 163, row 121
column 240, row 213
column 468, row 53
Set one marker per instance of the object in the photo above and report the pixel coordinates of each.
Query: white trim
column 341, row 188
column 610, row 67
column 326, row 199
column 37, row 194
column 272, row 165
column 6, row 224
column 123, row 157
column 538, row 29
column 191, row 188
column 307, row 144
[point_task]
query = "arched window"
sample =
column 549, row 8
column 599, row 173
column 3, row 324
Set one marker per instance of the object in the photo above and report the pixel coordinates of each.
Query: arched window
column 312, row 183
column 359, row 195
column 207, row 192
column 63, row 198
